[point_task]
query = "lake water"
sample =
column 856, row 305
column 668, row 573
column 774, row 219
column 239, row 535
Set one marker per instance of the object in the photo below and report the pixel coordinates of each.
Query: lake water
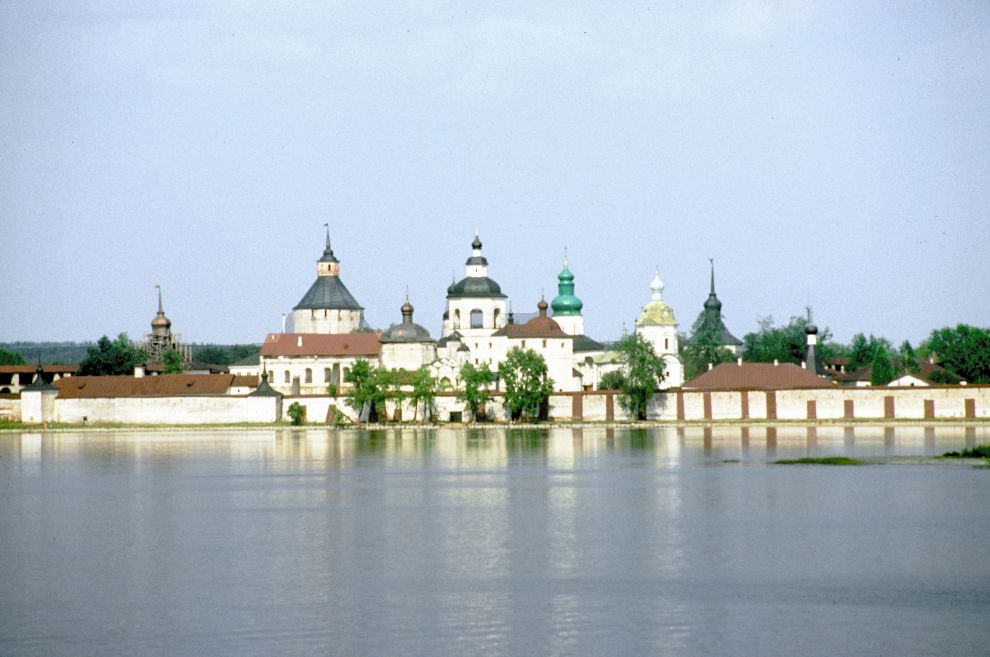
column 587, row 541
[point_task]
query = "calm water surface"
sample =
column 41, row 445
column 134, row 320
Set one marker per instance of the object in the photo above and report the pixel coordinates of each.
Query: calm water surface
column 498, row 542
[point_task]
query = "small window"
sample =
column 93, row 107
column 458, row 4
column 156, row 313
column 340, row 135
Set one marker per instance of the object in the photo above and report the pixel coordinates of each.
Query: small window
column 326, row 375
column 477, row 319
column 544, row 344
column 309, row 375
column 666, row 344
column 286, row 376
column 523, row 344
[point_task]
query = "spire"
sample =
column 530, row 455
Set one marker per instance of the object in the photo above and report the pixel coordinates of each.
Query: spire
column 713, row 303
column 161, row 324
column 332, row 268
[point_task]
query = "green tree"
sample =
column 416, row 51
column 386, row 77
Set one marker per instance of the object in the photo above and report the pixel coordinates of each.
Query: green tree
column 297, row 413
column 963, row 350
column 614, row 380
column 882, row 369
column 644, row 372
column 787, row 344
column 11, row 358
column 476, row 391
column 369, row 388
column 527, row 382
column 865, row 350
column 110, row 357
column 424, row 392
column 171, row 362
column 701, row 350
column 908, row 359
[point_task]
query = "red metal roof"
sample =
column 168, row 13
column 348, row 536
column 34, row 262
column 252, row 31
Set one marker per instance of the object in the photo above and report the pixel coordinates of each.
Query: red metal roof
column 758, row 375
column 321, row 344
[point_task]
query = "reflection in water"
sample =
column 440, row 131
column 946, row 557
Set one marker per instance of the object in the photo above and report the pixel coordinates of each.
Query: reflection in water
column 507, row 541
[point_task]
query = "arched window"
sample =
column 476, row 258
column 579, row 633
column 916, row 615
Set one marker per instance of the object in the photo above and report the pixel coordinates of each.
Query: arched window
column 326, row 375
column 309, row 375
column 457, row 318
column 287, row 376
column 666, row 344
column 495, row 317
column 477, row 319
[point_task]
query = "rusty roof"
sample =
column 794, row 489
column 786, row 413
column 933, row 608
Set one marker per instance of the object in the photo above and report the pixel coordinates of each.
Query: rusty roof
column 321, row 344
column 757, row 376
column 164, row 385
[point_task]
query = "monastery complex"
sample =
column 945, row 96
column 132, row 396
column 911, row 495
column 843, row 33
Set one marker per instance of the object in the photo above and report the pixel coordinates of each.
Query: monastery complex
column 478, row 327
column 309, row 365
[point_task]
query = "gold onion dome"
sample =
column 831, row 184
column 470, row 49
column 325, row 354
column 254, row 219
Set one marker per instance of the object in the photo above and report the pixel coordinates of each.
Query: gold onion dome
column 656, row 312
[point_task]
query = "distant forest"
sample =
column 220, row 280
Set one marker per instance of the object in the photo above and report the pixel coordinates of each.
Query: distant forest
column 71, row 353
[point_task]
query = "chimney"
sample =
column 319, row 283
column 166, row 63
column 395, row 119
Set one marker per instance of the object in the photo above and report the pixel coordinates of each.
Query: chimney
column 139, row 371
column 739, row 362
column 804, row 365
column 299, row 341
column 710, row 366
column 776, row 362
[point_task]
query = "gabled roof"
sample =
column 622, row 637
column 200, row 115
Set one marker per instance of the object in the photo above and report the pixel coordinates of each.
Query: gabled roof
column 165, row 385
column 328, row 292
column 321, row 344
column 757, row 376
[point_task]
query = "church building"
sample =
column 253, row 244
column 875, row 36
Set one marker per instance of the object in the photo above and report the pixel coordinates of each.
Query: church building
column 658, row 325
column 328, row 306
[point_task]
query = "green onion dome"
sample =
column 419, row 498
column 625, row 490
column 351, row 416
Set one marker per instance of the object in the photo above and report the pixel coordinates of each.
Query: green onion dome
column 566, row 303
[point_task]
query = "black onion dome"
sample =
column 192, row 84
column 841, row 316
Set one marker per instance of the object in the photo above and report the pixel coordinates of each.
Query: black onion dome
column 811, row 329
column 406, row 332
column 481, row 287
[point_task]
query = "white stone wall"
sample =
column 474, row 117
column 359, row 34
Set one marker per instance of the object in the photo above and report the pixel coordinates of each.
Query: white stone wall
column 10, row 409
column 407, row 355
column 460, row 316
column 309, row 320
column 570, row 324
column 295, row 367
column 167, row 410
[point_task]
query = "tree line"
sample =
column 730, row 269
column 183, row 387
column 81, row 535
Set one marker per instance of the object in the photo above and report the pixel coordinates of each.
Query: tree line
column 962, row 351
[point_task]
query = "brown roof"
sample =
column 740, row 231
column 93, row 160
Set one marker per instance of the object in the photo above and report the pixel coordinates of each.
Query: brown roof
column 538, row 327
column 165, row 385
column 758, row 375
column 321, row 344
column 244, row 381
column 31, row 369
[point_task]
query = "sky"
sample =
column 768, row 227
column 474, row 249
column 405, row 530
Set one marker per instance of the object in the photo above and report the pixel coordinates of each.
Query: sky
column 831, row 154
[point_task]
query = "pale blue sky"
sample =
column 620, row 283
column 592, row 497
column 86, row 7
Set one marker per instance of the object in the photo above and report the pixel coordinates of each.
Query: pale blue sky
column 829, row 153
